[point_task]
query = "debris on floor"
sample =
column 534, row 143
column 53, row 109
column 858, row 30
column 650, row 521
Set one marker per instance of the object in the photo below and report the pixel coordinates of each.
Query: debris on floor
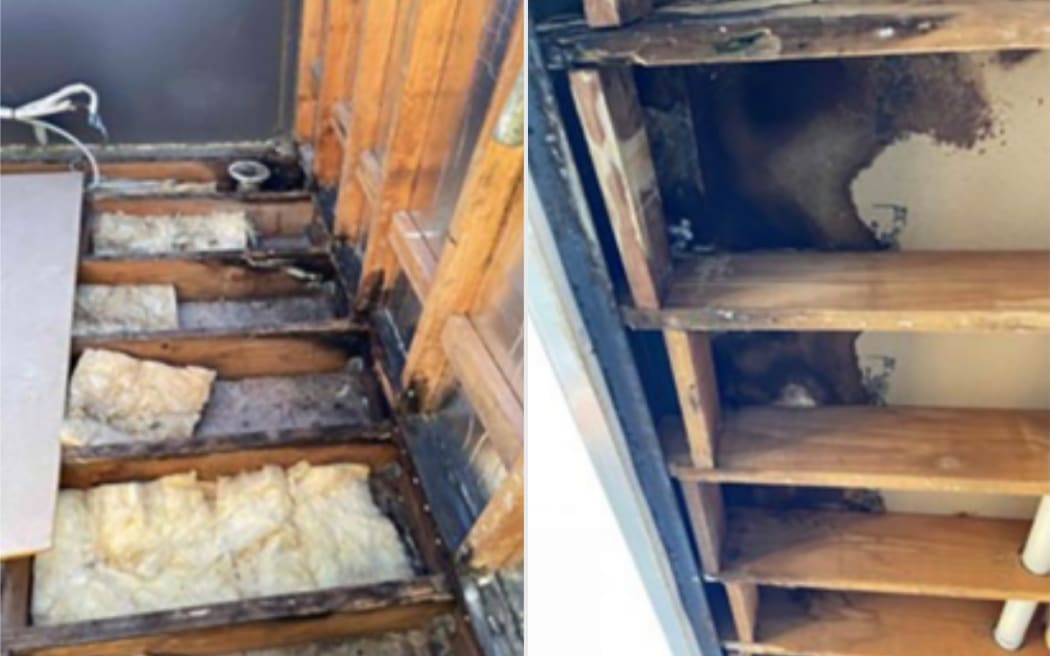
column 131, row 548
column 124, row 234
column 109, row 309
column 117, row 398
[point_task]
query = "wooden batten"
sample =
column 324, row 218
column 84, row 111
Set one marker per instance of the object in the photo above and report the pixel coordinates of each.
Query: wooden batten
column 743, row 605
column 700, row 31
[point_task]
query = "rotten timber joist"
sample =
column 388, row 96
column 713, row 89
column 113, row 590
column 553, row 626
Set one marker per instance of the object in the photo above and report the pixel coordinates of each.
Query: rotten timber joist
column 700, row 31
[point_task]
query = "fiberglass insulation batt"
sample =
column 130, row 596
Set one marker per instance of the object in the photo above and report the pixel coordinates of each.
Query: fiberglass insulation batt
column 106, row 309
column 117, row 398
column 138, row 547
column 124, row 234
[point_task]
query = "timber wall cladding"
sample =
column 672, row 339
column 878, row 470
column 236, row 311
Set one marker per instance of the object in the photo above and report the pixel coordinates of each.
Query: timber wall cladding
column 941, row 568
column 427, row 178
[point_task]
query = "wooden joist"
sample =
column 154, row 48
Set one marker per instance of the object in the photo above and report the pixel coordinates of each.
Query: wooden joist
column 610, row 13
column 858, row 624
column 216, row 456
column 265, row 622
column 964, row 291
column 701, row 31
column 904, row 448
column 214, row 276
column 282, row 351
column 964, row 557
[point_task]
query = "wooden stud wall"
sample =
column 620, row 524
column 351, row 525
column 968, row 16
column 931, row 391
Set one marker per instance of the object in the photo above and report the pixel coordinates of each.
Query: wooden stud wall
column 416, row 63
column 751, row 553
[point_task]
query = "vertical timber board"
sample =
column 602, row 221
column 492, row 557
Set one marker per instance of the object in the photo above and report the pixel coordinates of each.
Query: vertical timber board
column 743, row 605
column 15, row 580
column 497, row 539
column 450, row 105
column 694, row 376
column 704, row 505
column 491, row 395
column 432, row 37
column 491, row 197
column 611, row 115
column 311, row 38
column 340, row 47
column 610, row 13
column 607, row 102
column 379, row 50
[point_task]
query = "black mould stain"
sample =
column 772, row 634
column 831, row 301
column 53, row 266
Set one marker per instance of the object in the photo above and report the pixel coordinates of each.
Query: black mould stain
column 775, row 150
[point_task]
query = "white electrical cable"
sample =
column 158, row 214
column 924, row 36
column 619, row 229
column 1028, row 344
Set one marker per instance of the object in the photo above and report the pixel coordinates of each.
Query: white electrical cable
column 60, row 102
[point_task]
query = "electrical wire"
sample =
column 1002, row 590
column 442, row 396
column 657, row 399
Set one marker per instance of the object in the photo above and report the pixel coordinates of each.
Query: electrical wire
column 61, row 102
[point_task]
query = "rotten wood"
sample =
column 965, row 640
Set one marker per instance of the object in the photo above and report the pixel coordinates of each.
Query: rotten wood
column 283, row 351
column 214, row 276
column 497, row 539
column 212, row 457
column 688, row 32
column 266, row 622
column 611, row 114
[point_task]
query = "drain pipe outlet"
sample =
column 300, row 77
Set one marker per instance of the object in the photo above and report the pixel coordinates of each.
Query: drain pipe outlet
column 249, row 174
column 1017, row 614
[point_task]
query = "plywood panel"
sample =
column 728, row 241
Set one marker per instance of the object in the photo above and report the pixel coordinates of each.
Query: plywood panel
column 39, row 239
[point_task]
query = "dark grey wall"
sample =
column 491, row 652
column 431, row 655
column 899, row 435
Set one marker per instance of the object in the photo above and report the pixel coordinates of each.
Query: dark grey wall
column 166, row 70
